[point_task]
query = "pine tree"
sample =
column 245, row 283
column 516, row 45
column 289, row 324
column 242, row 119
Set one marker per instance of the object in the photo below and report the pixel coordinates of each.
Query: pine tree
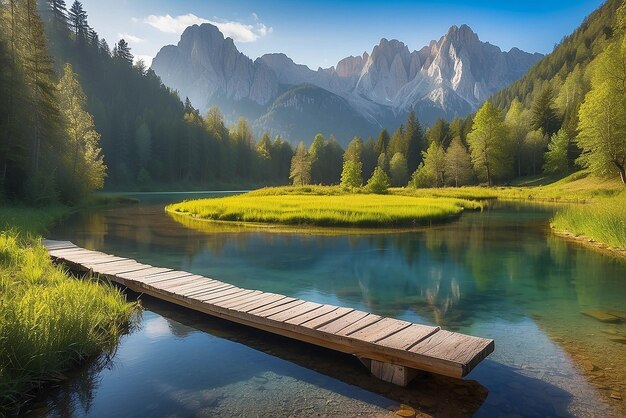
column 518, row 123
column 351, row 177
column 39, row 76
column 354, row 150
column 59, row 13
column 378, row 182
column 78, row 20
column 382, row 142
column 396, row 143
column 300, row 173
column 122, row 53
column 543, row 113
column 440, row 133
column 414, row 142
column 318, row 159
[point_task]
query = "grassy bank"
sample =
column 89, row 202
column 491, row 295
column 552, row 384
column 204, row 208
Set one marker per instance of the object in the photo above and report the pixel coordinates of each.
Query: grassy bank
column 603, row 221
column 329, row 209
column 576, row 188
column 49, row 320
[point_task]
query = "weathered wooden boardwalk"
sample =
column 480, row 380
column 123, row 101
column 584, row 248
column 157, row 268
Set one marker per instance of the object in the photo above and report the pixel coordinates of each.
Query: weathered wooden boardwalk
column 392, row 349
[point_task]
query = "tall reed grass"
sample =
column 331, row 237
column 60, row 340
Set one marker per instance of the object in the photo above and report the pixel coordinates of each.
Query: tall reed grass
column 603, row 221
column 49, row 320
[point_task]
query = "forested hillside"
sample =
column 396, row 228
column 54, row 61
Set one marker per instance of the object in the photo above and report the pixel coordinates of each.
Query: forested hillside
column 564, row 72
column 139, row 131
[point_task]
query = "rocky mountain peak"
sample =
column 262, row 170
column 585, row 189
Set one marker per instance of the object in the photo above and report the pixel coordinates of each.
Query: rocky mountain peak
column 449, row 77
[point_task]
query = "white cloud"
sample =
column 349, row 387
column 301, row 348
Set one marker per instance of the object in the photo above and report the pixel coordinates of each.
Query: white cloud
column 131, row 38
column 240, row 32
column 255, row 17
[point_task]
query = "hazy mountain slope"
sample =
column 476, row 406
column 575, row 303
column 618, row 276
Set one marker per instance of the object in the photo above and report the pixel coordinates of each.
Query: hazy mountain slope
column 297, row 113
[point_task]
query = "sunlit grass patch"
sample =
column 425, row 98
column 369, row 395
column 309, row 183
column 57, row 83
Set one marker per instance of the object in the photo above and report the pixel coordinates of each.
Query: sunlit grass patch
column 326, row 209
column 49, row 320
column 603, row 221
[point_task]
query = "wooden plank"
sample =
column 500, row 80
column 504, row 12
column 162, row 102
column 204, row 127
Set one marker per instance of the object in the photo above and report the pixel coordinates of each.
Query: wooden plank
column 253, row 296
column 110, row 266
column 137, row 275
column 118, row 269
column 379, row 330
column 342, row 322
column 367, row 320
column 228, row 301
column 236, row 296
column 57, row 245
column 185, row 283
column 93, row 255
column 312, row 315
column 209, row 287
column 68, row 252
column 451, row 346
column 172, row 284
column 170, row 275
column 207, row 298
column 278, row 301
column 295, row 311
column 327, row 317
column 265, row 312
column 100, row 260
column 265, row 300
column 408, row 337
column 235, row 304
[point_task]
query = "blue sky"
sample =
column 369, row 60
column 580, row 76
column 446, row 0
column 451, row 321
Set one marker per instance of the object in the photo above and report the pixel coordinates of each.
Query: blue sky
column 320, row 33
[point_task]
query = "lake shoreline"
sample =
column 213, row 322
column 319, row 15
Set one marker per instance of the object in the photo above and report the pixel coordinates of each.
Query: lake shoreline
column 589, row 242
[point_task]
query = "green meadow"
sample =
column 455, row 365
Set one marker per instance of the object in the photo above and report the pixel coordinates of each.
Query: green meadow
column 341, row 210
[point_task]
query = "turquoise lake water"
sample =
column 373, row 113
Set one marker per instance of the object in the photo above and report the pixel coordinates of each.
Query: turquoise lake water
column 498, row 274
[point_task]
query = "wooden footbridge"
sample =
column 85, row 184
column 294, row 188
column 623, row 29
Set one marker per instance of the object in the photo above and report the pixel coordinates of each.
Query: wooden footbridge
column 392, row 349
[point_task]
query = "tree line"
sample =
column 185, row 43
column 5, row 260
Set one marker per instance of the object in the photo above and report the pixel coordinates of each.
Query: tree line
column 575, row 121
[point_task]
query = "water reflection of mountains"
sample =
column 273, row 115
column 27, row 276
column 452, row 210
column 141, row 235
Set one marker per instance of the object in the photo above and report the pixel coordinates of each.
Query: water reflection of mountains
column 452, row 275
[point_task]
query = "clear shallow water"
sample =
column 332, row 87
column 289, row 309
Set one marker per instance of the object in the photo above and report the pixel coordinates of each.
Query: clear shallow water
column 496, row 274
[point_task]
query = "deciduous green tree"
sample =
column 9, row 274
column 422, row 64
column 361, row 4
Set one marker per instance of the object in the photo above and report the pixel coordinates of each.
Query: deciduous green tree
column 602, row 115
column 518, row 122
column 351, row 177
column 458, row 163
column 435, row 163
column 556, row 157
column 84, row 157
column 398, row 169
column 488, row 142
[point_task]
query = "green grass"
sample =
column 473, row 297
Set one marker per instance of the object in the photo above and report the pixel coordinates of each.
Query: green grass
column 30, row 220
column 49, row 320
column 325, row 207
column 603, row 221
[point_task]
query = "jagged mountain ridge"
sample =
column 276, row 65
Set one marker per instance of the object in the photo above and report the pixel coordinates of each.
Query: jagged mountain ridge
column 450, row 77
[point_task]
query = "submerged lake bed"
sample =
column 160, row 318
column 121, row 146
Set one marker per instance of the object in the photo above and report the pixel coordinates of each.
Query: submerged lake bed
column 498, row 274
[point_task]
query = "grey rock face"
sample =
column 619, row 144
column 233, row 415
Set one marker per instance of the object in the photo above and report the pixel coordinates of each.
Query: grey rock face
column 449, row 77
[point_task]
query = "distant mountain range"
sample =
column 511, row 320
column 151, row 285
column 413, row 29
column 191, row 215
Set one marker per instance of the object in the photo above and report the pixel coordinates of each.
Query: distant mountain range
column 360, row 95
